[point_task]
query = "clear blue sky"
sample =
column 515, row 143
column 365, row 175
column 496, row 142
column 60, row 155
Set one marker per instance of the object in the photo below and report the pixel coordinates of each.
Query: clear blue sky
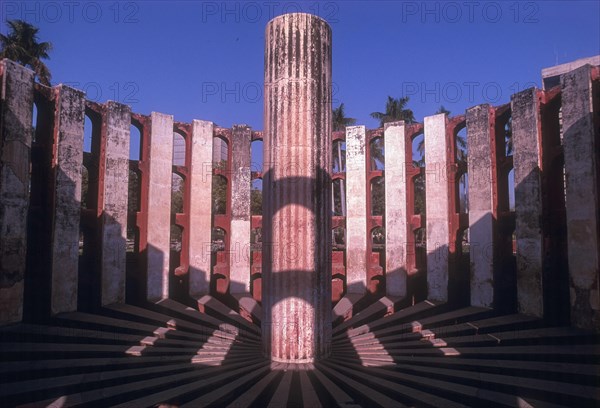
column 204, row 60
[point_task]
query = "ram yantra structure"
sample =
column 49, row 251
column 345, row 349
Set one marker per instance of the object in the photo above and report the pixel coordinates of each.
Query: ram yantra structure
column 114, row 294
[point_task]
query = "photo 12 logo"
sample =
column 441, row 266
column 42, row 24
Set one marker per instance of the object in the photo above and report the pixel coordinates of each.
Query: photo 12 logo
column 465, row 91
column 253, row 92
column 526, row 12
column 126, row 12
column 122, row 92
column 261, row 12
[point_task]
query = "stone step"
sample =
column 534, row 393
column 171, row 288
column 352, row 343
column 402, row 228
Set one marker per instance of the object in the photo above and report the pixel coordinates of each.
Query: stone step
column 213, row 307
column 249, row 308
column 177, row 309
column 248, row 398
column 110, row 324
column 416, row 326
column 546, row 336
column 123, row 393
column 344, row 309
column 210, row 343
column 195, row 388
column 98, row 322
column 12, row 351
column 281, row 395
column 43, row 368
column 568, row 372
column 513, row 322
column 228, row 332
column 70, row 383
column 224, row 359
column 370, row 318
column 336, row 396
column 37, row 332
column 226, row 392
column 365, row 395
column 310, row 397
column 556, row 335
column 147, row 357
column 228, row 353
column 54, row 334
column 359, row 341
column 452, row 390
column 400, row 391
column 544, row 389
column 167, row 306
column 577, row 353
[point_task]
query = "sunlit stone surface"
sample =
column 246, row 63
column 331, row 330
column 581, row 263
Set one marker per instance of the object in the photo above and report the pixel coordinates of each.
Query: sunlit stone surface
column 297, row 197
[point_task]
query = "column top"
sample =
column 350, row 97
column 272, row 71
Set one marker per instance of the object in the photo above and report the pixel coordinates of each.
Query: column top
column 293, row 15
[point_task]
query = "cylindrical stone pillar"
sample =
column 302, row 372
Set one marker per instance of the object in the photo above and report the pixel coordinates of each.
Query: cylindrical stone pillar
column 296, row 280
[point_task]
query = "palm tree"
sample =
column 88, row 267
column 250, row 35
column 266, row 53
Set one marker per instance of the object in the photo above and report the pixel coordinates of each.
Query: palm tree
column 340, row 121
column 21, row 45
column 443, row 110
column 508, row 140
column 395, row 109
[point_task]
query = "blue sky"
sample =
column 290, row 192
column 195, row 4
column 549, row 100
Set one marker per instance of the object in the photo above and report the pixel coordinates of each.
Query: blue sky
column 204, row 59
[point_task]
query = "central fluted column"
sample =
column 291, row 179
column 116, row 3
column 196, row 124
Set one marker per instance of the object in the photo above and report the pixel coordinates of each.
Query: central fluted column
column 297, row 189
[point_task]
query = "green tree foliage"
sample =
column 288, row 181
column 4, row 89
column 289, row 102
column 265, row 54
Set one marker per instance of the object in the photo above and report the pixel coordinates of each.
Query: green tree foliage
column 256, row 201
column 376, row 149
column 340, row 121
column 21, row 44
column 508, row 140
column 177, row 189
column 443, row 110
column 338, row 163
column 133, row 194
column 219, row 195
column 85, row 181
column 395, row 110
column 420, row 194
column 378, row 196
column 338, row 190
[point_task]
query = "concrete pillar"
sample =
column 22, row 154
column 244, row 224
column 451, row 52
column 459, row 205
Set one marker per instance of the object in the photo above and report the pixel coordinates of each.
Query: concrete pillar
column 117, row 121
column 356, row 210
column 200, row 208
column 15, row 155
column 239, row 254
column 396, row 219
column 528, row 201
column 159, row 205
column 70, row 111
column 297, row 212
column 437, row 205
column 581, row 155
column 481, row 204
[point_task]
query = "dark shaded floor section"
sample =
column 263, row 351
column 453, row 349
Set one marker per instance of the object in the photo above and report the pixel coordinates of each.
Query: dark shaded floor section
column 426, row 355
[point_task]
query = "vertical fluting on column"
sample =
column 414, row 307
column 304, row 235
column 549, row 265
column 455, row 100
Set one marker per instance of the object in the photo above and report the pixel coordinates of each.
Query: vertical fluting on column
column 396, row 218
column 437, row 207
column 297, row 194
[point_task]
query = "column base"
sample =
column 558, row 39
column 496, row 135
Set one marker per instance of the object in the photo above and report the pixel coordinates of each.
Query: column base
column 286, row 361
